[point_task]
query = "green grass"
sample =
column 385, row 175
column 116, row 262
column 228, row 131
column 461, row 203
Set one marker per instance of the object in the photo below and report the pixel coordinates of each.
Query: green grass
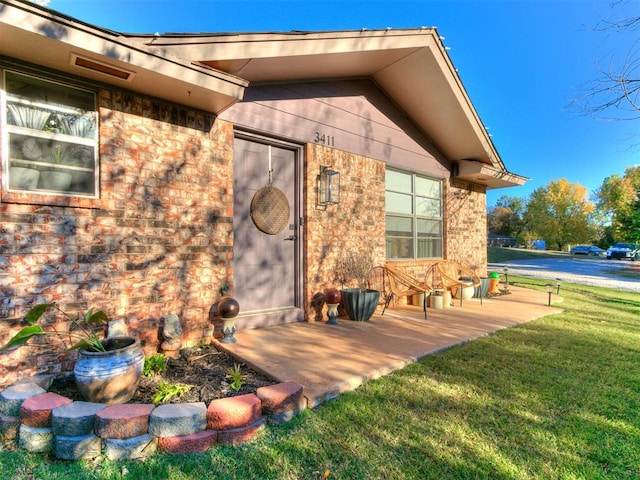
column 556, row 398
column 498, row 254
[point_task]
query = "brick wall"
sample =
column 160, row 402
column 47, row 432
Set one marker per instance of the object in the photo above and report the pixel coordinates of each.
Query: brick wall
column 466, row 225
column 356, row 224
column 159, row 240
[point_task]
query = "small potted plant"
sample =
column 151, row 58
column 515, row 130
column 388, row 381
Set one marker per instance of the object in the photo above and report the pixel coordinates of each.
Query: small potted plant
column 360, row 303
column 107, row 370
column 54, row 178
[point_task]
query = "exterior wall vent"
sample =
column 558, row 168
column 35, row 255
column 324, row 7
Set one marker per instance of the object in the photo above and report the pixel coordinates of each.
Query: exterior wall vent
column 101, row 67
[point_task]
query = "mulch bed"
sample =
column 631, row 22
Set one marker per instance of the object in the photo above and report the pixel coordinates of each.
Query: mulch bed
column 206, row 369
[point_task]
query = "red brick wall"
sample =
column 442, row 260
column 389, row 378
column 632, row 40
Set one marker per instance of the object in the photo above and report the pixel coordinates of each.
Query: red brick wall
column 356, row 224
column 466, row 225
column 159, row 243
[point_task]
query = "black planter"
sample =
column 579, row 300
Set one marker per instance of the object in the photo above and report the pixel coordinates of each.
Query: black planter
column 360, row 304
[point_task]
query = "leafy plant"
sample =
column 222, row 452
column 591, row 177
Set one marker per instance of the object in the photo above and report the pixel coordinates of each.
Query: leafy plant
column 81, row 329
column 59, row 154
column 236, row 376
column 167, row 391
column 156, row 363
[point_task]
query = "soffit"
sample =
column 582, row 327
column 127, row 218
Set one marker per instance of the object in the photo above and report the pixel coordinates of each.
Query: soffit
column 411, row 66
column 45, row 38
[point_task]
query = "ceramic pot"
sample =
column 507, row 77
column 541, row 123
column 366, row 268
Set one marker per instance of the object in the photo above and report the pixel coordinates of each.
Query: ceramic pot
column 360, row 304
column 23, row 178
column 110, row 377
column 58, row 181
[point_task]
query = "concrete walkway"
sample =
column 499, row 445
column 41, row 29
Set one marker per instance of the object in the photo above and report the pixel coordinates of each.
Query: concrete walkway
column 330, row 359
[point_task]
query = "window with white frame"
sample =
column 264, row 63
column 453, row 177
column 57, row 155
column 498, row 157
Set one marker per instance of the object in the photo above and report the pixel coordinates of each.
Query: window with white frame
column 50, row 137
column 413, row 216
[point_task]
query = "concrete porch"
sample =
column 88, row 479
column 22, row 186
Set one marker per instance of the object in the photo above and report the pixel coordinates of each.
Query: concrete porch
column 330, row 359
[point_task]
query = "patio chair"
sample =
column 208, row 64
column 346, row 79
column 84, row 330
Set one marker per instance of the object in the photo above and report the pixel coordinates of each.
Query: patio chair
column 402, row 284
column 454, row 276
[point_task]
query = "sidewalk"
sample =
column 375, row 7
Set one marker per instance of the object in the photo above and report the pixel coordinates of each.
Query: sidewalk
column 330, row 359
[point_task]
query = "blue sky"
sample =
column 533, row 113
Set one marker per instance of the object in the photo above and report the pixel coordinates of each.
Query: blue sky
column 522, row 63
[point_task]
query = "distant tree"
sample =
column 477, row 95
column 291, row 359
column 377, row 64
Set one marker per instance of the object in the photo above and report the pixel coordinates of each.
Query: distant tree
column 617, row 203
column 615, row 92
column 505, row 218
column 560, row 213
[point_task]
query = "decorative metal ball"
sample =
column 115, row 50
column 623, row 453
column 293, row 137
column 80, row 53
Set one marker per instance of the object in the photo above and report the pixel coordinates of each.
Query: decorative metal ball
column 228, row 307
column 332, row 296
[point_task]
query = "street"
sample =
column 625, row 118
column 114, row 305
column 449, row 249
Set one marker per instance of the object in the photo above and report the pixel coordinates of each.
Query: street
column 585, row 271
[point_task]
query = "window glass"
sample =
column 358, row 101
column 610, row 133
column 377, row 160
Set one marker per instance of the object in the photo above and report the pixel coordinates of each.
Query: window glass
column 414, row 216
column 52, row 137
column 399, row 203
column 398, row 181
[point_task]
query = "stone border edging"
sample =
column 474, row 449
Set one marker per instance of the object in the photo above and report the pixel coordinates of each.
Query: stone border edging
column 45, row 422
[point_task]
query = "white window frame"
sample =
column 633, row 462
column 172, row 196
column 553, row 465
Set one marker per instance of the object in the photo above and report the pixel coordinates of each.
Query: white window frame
column 52, row 148
column 410, row 245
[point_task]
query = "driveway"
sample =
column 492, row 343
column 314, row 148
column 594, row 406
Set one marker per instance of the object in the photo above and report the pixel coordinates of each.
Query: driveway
column 584, row 271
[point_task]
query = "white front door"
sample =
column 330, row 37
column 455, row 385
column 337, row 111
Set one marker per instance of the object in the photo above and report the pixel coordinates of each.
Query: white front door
column 266, row 265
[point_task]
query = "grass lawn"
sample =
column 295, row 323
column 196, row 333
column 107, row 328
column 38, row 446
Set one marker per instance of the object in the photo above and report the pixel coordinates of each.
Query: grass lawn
column 557, row 398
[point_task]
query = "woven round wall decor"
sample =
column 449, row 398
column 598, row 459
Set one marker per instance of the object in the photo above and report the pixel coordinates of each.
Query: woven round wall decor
column 270, row 210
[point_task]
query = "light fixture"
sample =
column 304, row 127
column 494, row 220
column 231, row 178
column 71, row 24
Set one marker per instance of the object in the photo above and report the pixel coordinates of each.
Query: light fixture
column 558, row 283
column 505, row 270
column 549, row 291
column 328, row 186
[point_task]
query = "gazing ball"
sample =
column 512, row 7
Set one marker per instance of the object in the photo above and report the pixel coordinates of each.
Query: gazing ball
column 228, row 307
column 332, row 296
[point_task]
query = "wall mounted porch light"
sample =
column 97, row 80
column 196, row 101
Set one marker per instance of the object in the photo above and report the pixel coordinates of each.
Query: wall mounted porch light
column 328, row 186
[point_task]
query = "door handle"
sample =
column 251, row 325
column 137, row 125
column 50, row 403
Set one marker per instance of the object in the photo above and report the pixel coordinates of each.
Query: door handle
column 291, row 237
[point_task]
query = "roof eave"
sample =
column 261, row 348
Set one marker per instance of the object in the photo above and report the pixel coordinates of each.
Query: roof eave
column 56, row 40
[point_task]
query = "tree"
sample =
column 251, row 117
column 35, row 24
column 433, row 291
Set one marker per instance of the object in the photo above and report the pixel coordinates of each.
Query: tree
column 617, row 203
column 616, row 90
column 506, row 217
column 560, row 213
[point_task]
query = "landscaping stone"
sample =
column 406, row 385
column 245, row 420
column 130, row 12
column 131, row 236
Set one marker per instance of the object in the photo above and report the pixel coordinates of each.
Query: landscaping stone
column 36, row 411
column 12, row 397
column 178, row 419
column 237, row 436
column 194, row 443
column 43, row 381
column 233, row 412
column 281, row 402
column 83, row 447
column 123, row 421
column 9, row 427
column 35, row 439
column 130, row 448
column 75, row 419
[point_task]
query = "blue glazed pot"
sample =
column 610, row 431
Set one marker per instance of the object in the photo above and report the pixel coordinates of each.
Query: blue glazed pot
column 360, row 304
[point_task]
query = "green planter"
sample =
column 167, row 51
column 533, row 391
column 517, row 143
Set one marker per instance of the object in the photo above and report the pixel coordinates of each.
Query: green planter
column 360, row 305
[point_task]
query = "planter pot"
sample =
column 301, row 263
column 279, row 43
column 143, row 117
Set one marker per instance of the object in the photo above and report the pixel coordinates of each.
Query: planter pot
column 110, row 377
column 59, row 181
column 482, row 289
column 23, row 178
column 436, row 301
column 360, row 305
column 466, row 291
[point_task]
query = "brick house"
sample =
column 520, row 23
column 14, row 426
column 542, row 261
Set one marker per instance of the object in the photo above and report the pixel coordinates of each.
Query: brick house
column 162, row 142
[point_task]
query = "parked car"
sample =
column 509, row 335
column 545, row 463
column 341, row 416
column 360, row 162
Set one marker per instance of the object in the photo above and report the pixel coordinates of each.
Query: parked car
column 588, row 250
column 622, row 250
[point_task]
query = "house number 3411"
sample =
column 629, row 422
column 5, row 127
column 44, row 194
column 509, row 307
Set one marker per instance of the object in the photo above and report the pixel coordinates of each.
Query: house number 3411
column 324, row 139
